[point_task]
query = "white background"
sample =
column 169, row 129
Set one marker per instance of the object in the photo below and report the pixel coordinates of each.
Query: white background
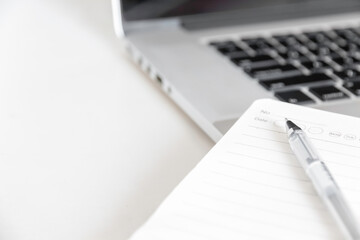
column 89, row 146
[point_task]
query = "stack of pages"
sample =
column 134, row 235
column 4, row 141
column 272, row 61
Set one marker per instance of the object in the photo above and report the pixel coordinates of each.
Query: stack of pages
column 251, row 186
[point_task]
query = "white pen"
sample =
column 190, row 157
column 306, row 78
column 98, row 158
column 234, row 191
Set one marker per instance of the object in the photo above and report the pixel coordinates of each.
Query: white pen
column 322, row 180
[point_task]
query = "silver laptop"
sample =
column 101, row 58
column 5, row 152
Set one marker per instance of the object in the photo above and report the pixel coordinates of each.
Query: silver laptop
column 215, row 57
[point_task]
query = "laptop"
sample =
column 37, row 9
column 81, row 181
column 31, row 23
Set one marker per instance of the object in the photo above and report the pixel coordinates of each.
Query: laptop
column 215, row 57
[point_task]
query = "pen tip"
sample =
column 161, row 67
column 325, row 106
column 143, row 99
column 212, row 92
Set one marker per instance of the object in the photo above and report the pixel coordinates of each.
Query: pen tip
column 291, row 125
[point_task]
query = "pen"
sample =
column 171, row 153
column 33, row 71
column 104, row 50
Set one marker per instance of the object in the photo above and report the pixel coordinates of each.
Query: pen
column 322, row 180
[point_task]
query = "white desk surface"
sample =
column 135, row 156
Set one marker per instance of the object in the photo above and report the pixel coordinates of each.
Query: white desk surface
column 89, row 147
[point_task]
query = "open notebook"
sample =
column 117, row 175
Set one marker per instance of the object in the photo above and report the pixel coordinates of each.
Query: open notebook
column 251, row 186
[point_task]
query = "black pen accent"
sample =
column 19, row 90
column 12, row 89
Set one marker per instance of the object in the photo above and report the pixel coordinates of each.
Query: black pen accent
column 292, row 125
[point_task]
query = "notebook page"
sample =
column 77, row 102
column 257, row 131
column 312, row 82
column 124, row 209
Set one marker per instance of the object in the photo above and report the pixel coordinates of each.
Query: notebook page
column 251, row 186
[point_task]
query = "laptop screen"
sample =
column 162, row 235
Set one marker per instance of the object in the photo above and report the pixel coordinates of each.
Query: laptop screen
column 150, row 9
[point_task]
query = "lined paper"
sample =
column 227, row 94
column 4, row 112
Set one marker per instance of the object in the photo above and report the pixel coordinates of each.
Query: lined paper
column 251, row 186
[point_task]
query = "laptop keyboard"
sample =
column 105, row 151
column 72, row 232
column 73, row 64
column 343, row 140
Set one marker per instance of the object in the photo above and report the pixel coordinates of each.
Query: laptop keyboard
column 301, row 68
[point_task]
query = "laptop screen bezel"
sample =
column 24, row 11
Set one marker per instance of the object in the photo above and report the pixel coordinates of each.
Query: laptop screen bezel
column 204, row 20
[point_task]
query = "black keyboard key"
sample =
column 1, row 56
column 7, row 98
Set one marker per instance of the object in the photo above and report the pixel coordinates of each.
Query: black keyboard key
column 240, row 54
column 294, row 96
column 222, row 44
column 322, row 51
column 253, row 59
column 261, row 58
column 311, row 46
column 340, row 42
column 229, row 49
column 287, row 40
column 291, row 55
column 350, row 47
column 345, row 33
column 257, row 44
column 238, row 60
column 342, row 61
column 353, row 87
column 294, row 80
column 344, row 75
column 269, row 70
column 317, row 37
column 226, row 47
column 348, row 75
column 315, row 66
column 284, row 37
column 328, row 93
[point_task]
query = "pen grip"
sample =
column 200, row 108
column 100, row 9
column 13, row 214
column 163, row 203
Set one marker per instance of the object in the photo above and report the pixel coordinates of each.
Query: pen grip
column 330, row 193
column 321, row 177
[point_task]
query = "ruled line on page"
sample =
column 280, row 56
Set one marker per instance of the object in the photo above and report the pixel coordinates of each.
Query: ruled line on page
column 264, row 148
column 321, row 140
column 238, row 203
column 263, row 196
column 294, row 218
column 264, row 172
column 347, row 177
column 343, row 144
column 294, row 165
column 263, row 184
column 255, row 220
column 209, row 223
column 281, row 117
column 350, row 189
column 188, row 232
column 267, row 129
column 353, row 178
column 267, row 139
column 343, row 164
column 312, row 138
column 304, row 121
column 339, row 153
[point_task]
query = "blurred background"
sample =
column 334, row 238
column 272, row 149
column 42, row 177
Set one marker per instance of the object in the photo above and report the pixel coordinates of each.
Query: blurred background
column 88, row 146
